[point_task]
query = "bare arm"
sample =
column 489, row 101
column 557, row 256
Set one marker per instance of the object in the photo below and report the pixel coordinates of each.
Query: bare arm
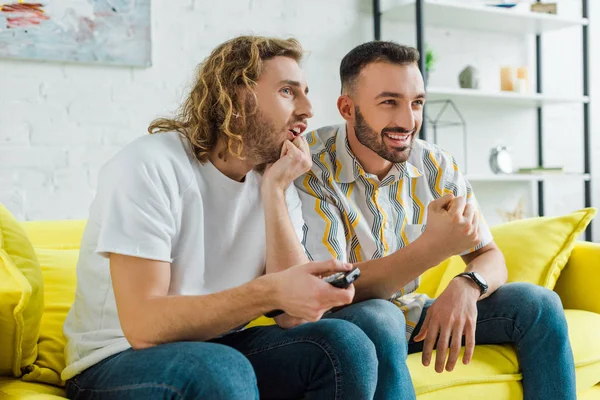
column 150, row 317
column 489, row 262
column 383, row 277
column 283, row 246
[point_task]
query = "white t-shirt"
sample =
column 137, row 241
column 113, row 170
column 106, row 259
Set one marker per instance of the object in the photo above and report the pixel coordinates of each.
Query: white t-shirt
column 156, row 201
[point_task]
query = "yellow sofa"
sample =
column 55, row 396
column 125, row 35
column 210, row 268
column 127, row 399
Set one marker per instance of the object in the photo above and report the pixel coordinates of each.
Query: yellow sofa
column 493, row 373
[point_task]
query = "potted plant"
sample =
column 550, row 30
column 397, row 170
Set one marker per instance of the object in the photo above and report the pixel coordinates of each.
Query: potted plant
column 430, row 60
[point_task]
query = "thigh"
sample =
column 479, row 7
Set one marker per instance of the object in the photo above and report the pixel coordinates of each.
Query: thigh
column 183, row 370
column 373, row 317
column 289, row 363
column 499, row 315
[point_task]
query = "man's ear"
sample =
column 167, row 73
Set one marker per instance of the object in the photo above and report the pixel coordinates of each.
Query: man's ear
column 345, row 106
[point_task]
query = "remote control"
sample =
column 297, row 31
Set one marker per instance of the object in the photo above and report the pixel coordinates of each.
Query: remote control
column 341, row 280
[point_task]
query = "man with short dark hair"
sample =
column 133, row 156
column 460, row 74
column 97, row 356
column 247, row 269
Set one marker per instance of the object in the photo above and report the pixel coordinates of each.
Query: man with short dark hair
column 395, row 206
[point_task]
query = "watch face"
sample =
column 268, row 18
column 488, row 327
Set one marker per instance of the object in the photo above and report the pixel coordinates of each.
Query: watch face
column 479, row 278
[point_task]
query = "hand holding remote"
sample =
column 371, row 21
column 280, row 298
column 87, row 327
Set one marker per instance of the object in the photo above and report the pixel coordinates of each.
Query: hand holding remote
column 302, row 294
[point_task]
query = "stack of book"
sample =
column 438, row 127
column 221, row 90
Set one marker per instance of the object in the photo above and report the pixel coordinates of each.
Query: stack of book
column 541, row 170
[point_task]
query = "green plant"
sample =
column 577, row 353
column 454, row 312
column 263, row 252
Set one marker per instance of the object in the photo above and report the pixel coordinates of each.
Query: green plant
column 430, row 59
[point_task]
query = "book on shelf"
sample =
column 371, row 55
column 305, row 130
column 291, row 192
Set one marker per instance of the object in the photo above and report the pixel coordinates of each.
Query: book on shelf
column 541, row 170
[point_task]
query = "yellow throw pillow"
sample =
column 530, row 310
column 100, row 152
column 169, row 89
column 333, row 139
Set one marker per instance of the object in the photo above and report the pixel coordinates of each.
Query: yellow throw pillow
column 59, row 272
column 536, row 249
column 21, row 297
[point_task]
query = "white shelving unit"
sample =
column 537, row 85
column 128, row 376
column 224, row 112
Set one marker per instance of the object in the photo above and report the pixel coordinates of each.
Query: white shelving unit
column 479, row 17
column 498, row 98
column 526, row 177
column 456, row 14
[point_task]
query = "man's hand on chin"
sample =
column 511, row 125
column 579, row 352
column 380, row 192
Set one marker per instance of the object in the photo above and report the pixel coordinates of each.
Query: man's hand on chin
column 295, row 160
column 452, row 315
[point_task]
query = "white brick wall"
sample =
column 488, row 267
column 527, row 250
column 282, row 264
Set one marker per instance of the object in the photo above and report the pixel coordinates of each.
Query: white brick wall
column 60, row 122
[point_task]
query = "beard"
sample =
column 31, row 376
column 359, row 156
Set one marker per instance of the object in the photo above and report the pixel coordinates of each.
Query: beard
column 368, row 137
column 262, row 140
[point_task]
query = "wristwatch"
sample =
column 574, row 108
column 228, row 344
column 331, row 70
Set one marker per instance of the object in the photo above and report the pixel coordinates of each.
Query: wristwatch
column 478, row 279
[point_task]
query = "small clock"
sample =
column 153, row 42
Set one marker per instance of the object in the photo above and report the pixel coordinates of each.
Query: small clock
column 501, row 160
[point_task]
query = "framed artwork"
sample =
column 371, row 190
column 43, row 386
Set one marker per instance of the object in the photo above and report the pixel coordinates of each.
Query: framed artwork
column 116, row 32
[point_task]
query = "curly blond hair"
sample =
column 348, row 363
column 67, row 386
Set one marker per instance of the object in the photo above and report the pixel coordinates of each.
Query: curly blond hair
column 215, row 108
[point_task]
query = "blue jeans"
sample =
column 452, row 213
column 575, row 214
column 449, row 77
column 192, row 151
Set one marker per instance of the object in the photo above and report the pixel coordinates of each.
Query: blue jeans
column 533, row 319
column 335, row 358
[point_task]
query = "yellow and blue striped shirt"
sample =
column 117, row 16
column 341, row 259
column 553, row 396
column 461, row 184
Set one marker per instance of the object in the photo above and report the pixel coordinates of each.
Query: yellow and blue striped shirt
column 353, row 216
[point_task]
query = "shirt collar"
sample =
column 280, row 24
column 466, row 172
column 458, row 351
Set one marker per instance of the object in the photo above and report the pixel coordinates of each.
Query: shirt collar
column 348, row 168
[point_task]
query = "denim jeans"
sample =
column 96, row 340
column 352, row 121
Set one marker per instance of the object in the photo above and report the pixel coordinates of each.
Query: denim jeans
column 335, row 358
column 532, row 318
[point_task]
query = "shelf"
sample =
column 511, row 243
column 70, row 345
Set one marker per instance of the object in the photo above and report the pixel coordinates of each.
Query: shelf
column 526, row 177
column 509, row 98
column 455, row 14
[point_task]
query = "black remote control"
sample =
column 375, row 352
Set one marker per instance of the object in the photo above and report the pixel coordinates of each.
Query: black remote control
column 341, row 280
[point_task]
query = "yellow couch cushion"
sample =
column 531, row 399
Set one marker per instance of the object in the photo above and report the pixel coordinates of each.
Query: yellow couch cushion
column 59, row 272
column 582, row 273
column 591, row 394
column 59, row 235
column 11, row 388
column 536, row 249
column 494, row 371
column 21, row 297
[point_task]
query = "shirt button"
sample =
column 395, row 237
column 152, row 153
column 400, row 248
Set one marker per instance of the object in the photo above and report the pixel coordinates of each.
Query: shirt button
column 387, row 225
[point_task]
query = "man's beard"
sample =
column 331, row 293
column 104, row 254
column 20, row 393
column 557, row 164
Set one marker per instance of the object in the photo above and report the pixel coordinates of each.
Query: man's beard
column 262, row 140
column 368, row 137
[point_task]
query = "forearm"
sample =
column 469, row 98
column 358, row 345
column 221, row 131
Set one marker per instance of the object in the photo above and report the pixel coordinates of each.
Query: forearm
column 381, row 278
column 492, row 266
column 283, row 246
column 165, row 319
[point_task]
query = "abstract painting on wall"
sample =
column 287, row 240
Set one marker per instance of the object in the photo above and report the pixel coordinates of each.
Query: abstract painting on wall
column 90, row 31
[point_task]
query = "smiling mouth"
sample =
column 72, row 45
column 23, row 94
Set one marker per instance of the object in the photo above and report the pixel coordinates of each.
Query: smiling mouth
column 399, row 138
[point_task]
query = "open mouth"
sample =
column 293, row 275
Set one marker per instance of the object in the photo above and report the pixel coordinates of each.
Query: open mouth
column 297, row 130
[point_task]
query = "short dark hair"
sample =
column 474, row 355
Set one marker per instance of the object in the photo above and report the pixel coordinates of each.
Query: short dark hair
column 370, row 52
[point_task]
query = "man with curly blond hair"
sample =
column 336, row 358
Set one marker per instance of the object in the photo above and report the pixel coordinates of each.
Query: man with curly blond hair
column 190, row 237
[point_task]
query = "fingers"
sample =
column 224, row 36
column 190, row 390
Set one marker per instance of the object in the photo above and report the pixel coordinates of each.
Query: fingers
column 469, row 343
column 432, row 333
column 455, row 345
column 341, row 297
column 298, row 151
column 301, row 143
column 323, row 267
column 458, row 206
column 286, row 321
column 475, row 220
column 443, row 202
column 469, row 212
column 423, row 331
column 285, row 148
column 442, row 349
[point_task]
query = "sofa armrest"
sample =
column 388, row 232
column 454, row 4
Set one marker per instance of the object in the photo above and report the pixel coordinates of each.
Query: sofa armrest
column 579, row 283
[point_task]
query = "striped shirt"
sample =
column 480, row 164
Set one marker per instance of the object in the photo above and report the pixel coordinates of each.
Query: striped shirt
column 353, row 216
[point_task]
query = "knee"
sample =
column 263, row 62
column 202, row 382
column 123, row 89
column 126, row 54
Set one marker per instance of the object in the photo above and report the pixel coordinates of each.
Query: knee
column 381, row 312
column 541, row 306
column 381, row 320
column 224, row 374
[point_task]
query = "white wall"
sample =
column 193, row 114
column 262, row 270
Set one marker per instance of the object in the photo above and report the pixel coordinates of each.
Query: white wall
column 60, row 122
